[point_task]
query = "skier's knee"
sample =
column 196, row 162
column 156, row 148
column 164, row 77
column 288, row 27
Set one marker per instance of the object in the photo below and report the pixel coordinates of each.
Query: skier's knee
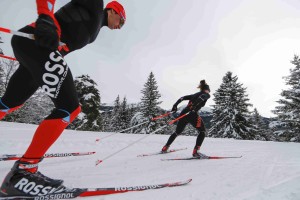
column 65, row 115
column 6, row 109
column 203, row 133
column 176, row 134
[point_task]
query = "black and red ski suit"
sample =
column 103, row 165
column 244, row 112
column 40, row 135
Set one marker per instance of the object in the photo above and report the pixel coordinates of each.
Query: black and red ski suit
column 79, row 23
column 196, row 102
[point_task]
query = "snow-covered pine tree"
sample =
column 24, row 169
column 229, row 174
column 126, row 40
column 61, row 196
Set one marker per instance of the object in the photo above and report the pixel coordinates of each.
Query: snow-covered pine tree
column 89, row 97
column 288, row 112
column 124, row 115
column 34, row 110
column 262, row 130
column 150, row 101
column 230, row 112
column 137, row 118
column 115, row 116
column 7, row 68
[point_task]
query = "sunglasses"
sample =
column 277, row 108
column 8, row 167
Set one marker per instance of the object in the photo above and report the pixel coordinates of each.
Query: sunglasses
column 122, row 20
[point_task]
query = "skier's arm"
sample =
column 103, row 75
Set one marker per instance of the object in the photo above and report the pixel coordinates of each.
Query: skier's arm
column 188, row 97
column 47, row 29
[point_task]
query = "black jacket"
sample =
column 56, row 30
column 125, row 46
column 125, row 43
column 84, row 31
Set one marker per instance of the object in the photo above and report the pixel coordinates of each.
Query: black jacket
column 80, row 22
column 196, row 101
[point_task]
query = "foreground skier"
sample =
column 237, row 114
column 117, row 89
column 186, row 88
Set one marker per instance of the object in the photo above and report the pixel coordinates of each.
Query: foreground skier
column 196, row 102
column 42, row 65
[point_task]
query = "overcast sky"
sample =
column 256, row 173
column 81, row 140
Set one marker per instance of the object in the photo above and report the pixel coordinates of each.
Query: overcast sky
column 182, row 42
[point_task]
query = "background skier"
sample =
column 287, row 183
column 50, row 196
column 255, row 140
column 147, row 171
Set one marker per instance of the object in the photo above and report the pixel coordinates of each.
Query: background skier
column 196, row 102
column 42, row 65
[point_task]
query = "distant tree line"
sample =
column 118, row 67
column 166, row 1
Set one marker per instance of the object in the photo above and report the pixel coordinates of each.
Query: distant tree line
column 230, row 117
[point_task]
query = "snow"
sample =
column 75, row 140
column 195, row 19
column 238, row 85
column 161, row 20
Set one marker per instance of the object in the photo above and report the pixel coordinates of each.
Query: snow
column 88, row 96
column 267, row 170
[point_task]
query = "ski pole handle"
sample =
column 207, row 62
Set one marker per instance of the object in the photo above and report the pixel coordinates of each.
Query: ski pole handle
column 26, row 35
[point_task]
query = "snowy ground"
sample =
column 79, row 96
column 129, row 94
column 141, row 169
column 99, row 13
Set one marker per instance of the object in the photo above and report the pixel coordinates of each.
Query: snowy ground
column 267, row 170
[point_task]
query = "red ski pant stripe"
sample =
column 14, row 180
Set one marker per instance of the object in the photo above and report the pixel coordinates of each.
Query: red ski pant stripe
column 46, row 134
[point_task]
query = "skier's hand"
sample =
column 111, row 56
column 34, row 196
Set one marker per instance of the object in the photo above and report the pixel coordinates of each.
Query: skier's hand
column 174, row 108
column 46, row 33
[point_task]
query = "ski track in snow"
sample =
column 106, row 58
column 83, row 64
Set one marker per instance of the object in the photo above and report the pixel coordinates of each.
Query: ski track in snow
column 267, row 170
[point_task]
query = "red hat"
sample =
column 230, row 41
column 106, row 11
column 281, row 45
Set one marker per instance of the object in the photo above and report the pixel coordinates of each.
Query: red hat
column 118, row 8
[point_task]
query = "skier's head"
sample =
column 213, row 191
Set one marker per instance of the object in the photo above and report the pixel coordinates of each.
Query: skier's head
column 116, row 15
column 203, row 86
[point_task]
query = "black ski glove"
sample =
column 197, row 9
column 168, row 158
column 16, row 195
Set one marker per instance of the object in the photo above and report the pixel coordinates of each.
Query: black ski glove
column 174, row 108
column 46, row 33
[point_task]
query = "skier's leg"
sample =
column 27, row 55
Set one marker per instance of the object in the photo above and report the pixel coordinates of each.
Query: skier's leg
column 180, row 127
column 51, row 72
column 20, row 87
column 64, row 97
column 199, row 125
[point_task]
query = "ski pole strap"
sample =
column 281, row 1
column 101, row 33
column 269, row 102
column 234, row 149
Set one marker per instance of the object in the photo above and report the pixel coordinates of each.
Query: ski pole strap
column 161, row 116
column 178, row 118
column 26, row 35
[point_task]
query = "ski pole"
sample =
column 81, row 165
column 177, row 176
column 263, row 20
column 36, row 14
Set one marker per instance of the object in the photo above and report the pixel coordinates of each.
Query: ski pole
column 111, row 155
column 154, row 118
column 132, row 127
column 161, row 116
column 124, row 130
column 180, row 117
column 26, row 35
column 7, row 57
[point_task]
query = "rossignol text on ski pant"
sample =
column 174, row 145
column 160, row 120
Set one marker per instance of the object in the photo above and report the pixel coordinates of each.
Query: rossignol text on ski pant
column 39, row 67
column 196, row 121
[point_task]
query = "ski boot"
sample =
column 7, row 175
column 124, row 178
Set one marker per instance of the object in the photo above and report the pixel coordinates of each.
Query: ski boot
column 199, row 155
column 165, row 149
column 22, row 182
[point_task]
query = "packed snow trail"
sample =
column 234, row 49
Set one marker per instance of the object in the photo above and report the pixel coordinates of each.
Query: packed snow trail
column 267, row 170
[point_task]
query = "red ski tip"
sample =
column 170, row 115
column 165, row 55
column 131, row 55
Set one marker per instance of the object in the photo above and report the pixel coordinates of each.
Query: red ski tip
column 98, row 162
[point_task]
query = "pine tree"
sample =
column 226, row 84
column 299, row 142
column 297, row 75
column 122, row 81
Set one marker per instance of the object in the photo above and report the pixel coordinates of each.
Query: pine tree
column 115, row 116
column 34, row 110
column 89, row 98
column 150, row 100
column 262, row 130
column 288, row 112
column 124, row 115
column 137, row 117
column 7, row 68
column 230, row 112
